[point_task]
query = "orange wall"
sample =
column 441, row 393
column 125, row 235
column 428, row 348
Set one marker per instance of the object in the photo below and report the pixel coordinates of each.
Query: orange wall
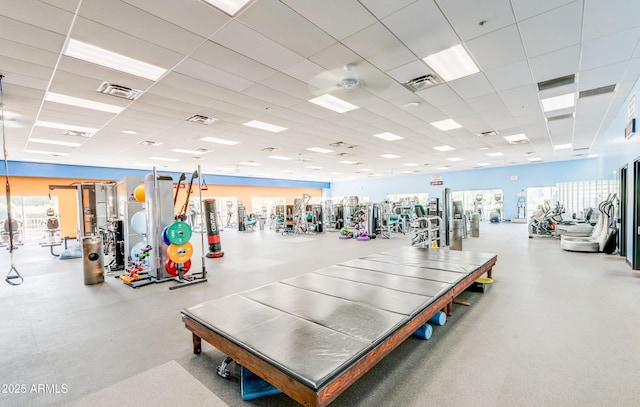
column 68, row 207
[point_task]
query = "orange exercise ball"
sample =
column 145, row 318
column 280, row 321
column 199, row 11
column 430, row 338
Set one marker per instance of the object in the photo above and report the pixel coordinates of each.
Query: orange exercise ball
column 138, row 193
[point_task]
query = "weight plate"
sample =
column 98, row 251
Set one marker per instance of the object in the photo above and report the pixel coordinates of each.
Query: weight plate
column 180, row 253
column 172, row 268
column 179, row 233
column 165, row 239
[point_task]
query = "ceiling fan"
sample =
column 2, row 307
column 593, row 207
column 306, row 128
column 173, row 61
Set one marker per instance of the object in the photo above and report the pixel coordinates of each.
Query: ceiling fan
column 348, row 79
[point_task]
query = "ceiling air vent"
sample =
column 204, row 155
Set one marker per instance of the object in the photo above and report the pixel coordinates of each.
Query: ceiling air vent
column 119, row 91
column 338, row 144
column 557, row 82
column 597, row 91
column 560, row 117
column 198, row 118
column 421, row 82
column 488, row 133
column 150, row 143
column 270, row 149
column 76, row 133
column 342, row 154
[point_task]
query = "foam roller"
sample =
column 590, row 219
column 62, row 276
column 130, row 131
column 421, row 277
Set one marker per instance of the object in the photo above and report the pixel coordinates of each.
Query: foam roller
column 439, row 318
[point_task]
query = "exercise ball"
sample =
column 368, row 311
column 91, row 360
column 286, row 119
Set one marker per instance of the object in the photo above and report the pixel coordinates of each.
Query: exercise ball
column 139, row 222
column 137, row 249
column 138, row 193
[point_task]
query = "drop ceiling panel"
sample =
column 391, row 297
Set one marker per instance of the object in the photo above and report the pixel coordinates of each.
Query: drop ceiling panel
column 439, row 95
column 183, row 83
column 213, row 75
column 465, row 18
column 525, row 9
column 522, row 101
column 509, row 76
column 555, row 64
column 227, row 60
column 194, row 16
column 497, row 48
column 29, row 35
column 336, row 17
column 422, row 28
column 610, row 49
column 248, row 42
column 604, row 18
column 383, row 8
column 298, row 34
column 472, row 86
column 378, row 45
column 553, row 30
column 43, row 16
column 603, row 76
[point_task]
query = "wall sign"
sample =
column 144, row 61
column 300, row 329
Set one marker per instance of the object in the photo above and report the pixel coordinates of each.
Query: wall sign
column 630, row 130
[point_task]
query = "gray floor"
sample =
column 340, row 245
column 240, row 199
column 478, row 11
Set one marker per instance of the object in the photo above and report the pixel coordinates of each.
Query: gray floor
column 555, row 329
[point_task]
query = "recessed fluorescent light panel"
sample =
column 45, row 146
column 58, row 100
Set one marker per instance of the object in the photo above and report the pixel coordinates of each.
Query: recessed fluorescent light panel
column 230, row 7
column 314, row 167
column 129, row 132
column 562, row 146
column 63, row 126
column 88, row 104
column 410, row 164
column 264, row 126
column 348, row 162
column 54, row 142
column 534, row 159
column 196, row 152
column 495, row 154
column 390, row 156
column 592, row 155
column 516, row 138
column 100, row 56
column 333, row 103
column 446, row 125
column 279, row 157
column 388, row 136
column 483, row 164
column 250, row 163
column 164, row 159
column 319, row 150
column 558, row 102
column 454, row 159
column 444, row 148
column 45, row 152
column 220, row 141
column 452, row 63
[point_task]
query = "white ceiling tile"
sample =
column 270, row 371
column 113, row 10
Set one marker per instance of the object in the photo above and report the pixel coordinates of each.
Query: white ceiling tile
column 380, row 47
column 555, row 64
column 500, row 47
column 525, row 9
column 422, row 28
column 603, row 76
column 382, row 8
column 610, row 49
column 26, row 34
column 439, row 95
column 227, row 60
column 472, row 86
column 553, row 30
column 465, row 18
column 213, row 75
column 509, row 76
column 612, row 16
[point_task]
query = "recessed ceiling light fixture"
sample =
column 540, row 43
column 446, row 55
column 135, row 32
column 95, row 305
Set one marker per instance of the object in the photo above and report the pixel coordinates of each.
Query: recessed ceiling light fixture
column 410, row 164
column 348, row 162
column 319, row 150
column 63, row 126
column 483, row 164
column 129, row 132
column 54, row 142
column 444, row 148
column 279, row 157
column 230, row 7
column 497, row 154
column 333, row 103
column 558, row 102
column 87, row 104
column 150, row 143
column 516, row 138
column 256, row 124
column 534, row 159
column 314, row 167
column 53, row 153
column 452, row 63
column 220, row 141
column 448, row 124
column 562, row 146
column 592, row 155
column 454, row 159
column 388, row 136
column 195, row 152
column 101, row 56
column 389, row 156
column 249, row 163
column 164, row 159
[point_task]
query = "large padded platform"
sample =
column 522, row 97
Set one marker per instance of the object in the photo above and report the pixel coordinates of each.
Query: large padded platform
column 315, row 334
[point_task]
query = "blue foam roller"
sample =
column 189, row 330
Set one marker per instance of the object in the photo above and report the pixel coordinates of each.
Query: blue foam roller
column 439, row 318
column 424, row 332
column 252, row 386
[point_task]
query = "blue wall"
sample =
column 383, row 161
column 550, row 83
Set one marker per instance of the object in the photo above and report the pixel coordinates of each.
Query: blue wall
column 532, row 175
column 29, row 169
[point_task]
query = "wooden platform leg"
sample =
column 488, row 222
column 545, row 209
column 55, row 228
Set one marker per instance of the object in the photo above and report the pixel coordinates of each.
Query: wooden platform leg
column 489, row 272
column 197, row 344
column 449, row 308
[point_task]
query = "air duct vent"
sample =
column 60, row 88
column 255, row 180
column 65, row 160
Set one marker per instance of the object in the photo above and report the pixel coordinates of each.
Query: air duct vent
column 557, row 82
column 421, row 82
column 342, row 154
column 119, row 91
column 560, row 117
column 198, row 118
column 488, row 133
column 76, row 133
column 338, row 144
column 597, row 91
column 150, row 143
column 270, row 149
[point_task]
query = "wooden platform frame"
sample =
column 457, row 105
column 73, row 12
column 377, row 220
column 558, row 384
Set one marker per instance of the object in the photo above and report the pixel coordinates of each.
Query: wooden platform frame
column 301, row 392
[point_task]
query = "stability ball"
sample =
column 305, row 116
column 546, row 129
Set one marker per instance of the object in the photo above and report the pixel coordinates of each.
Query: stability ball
column 139, row 222
column 136, row 250
column 138, row 193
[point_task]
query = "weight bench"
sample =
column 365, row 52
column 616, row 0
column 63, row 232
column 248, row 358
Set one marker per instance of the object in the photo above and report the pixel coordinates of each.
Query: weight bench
column 313, row 335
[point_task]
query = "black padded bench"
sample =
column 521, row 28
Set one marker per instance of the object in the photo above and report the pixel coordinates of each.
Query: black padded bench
column 315, row 334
